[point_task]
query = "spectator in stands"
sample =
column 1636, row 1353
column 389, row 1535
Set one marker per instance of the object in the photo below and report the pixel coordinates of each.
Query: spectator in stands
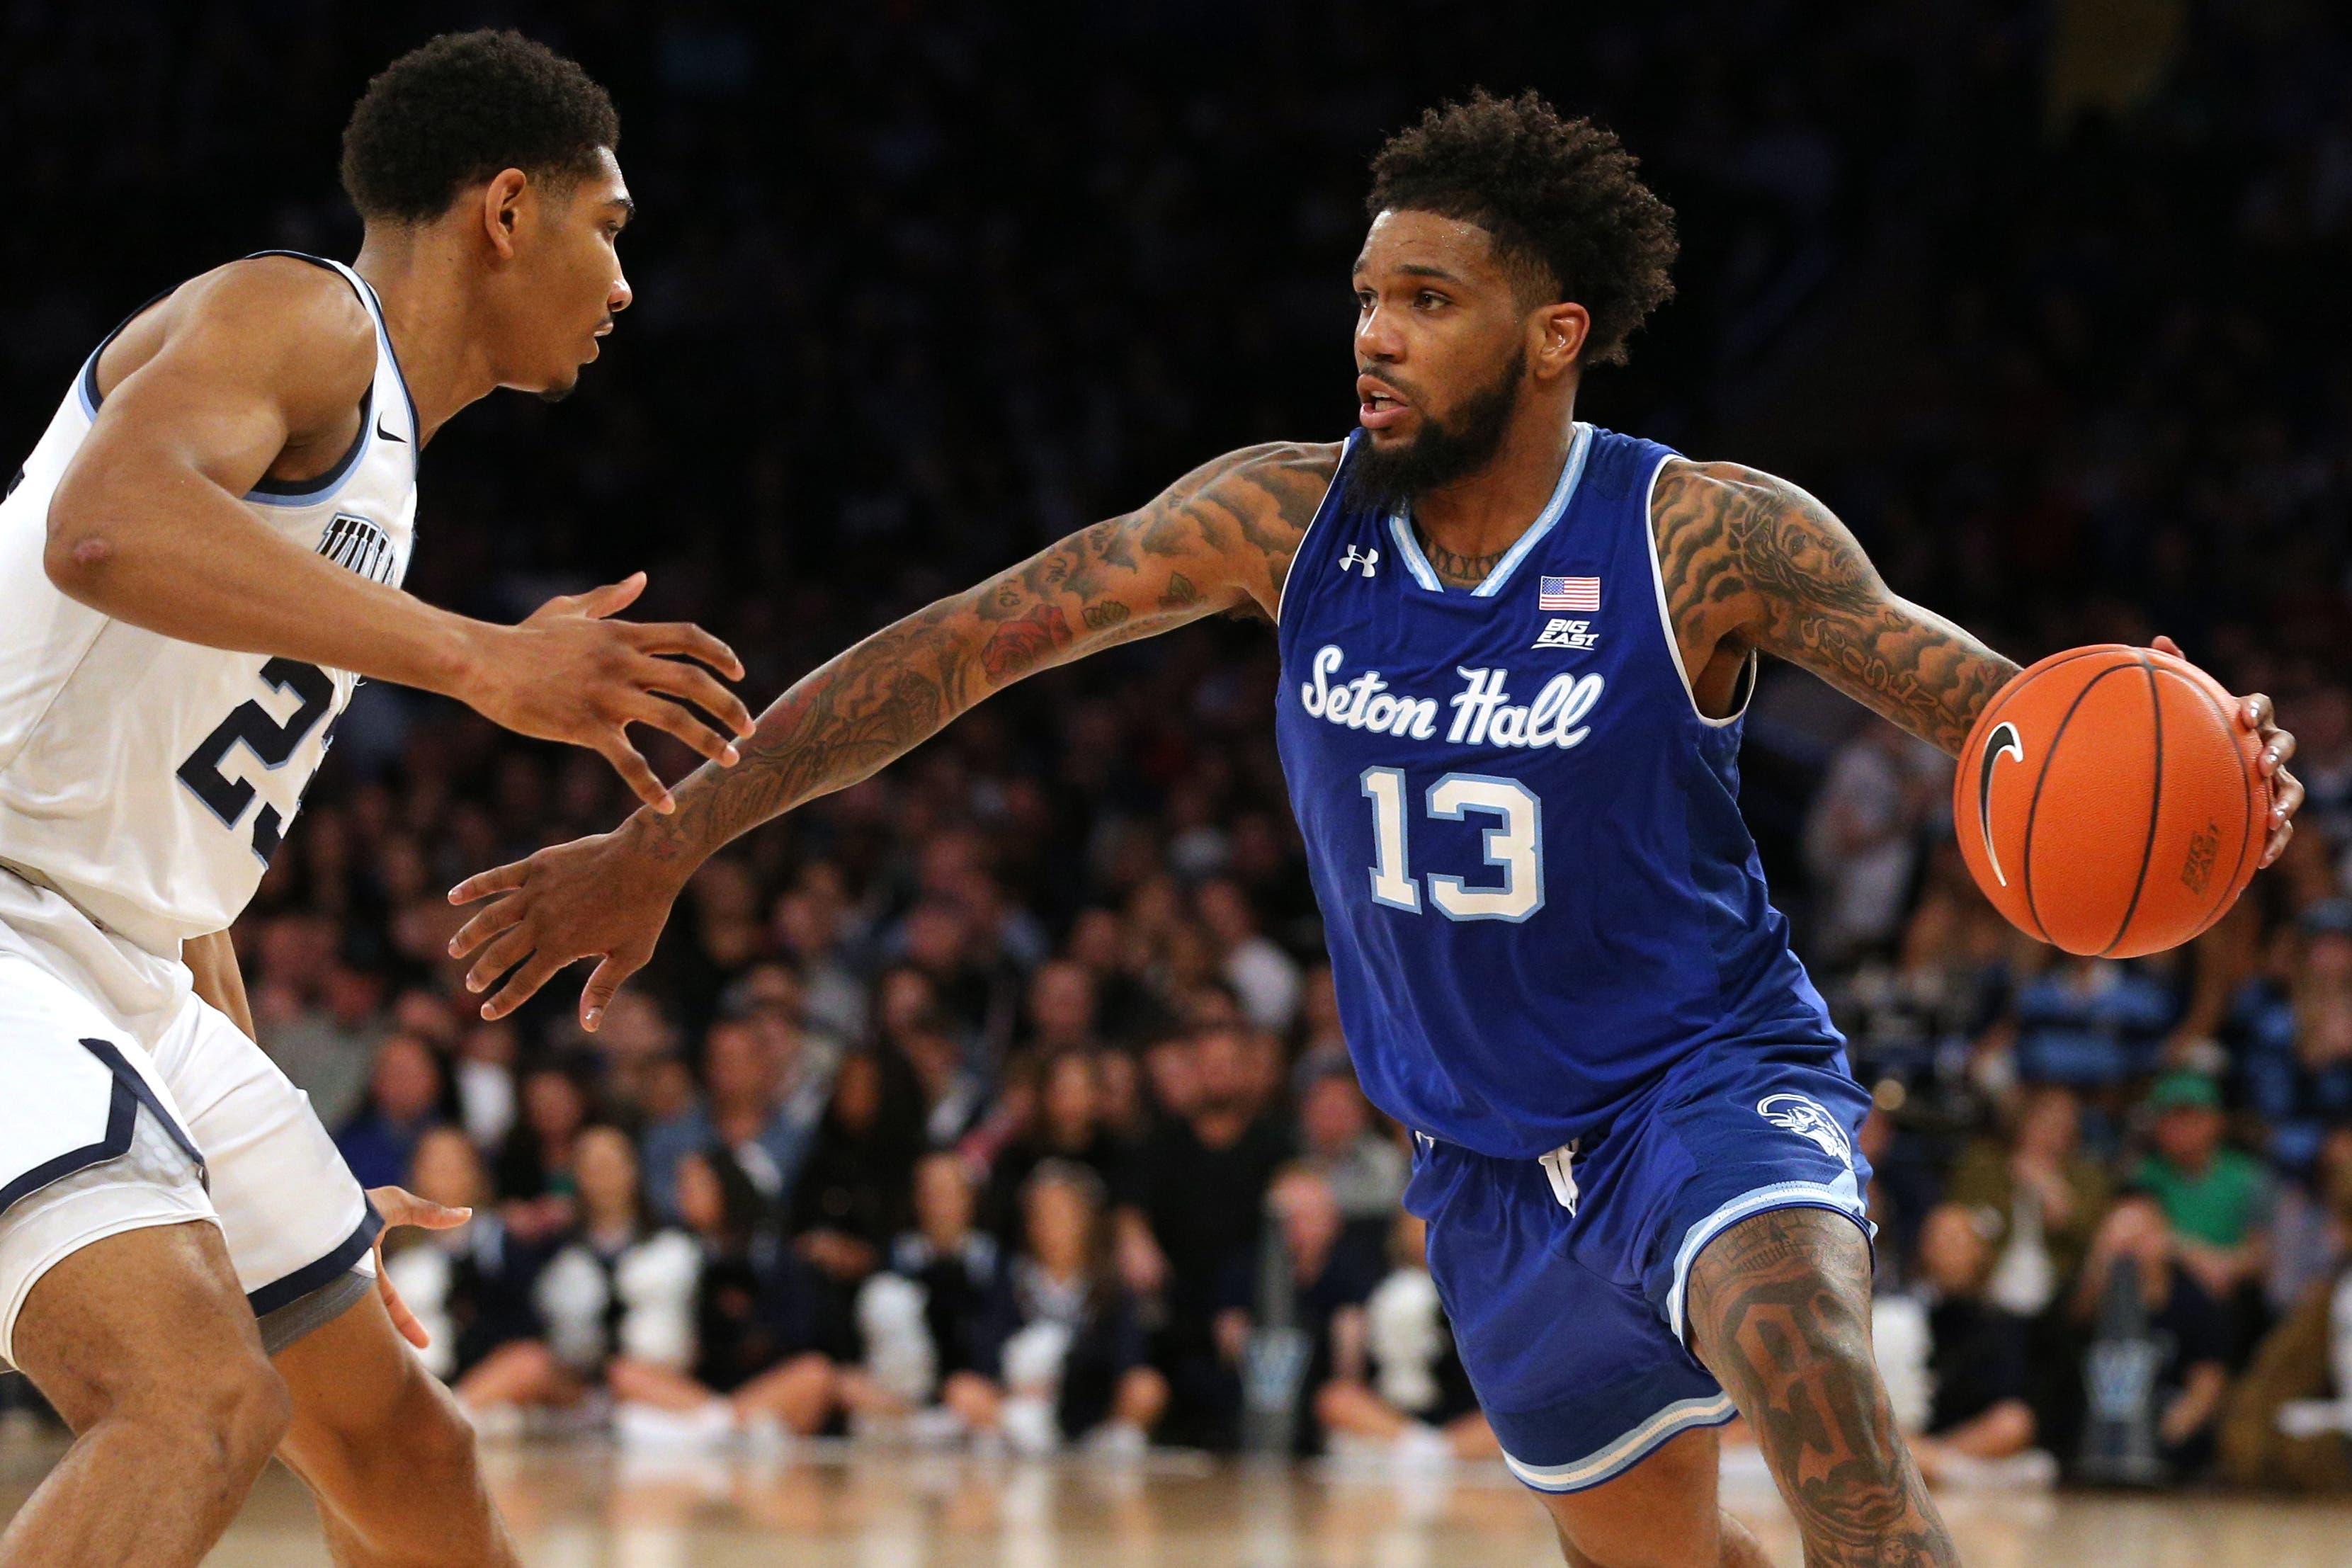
column 2296, row 1061
column 406, row 1092
column 2217, row 1200
column 1862, row 836
column 1061, row 1008
column 469, row 1287
column 1976, row 1355
column 2289, row 1421
column 853, row 1191
column 484, row 1079
column 757, row 1100
column 616, row 1310
column 1265, row 978
column 1318, row 1284
column 950, row 1096
column 2182, row 1318
column 2045, row 1197
column 2310, row 1240
column 807, row 922
column 1064, row 1121
column 1405, row 1396
column 533, row 1169
column 759, row 1313
column 1189, row 1218
column 1366, row 1168
column 2089, row 1020
column 1076, row 1361
column 934, row 1319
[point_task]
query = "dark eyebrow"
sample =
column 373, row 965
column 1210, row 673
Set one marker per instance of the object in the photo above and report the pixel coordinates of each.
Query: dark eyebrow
column 628, row 208
column 1423, row 269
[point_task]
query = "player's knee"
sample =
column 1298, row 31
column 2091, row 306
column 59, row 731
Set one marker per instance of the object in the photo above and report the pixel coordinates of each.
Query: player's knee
column 420, row 1433
column 226, row 1412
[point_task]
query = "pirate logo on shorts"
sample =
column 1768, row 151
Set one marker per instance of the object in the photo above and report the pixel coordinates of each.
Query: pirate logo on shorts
column 1804, row 1117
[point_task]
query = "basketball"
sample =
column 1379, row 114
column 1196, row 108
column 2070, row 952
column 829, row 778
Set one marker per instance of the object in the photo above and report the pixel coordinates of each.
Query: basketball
column 2108, row 801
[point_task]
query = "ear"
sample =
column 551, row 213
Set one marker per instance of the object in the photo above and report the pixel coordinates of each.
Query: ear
column 502, row 204
column 1560, row 332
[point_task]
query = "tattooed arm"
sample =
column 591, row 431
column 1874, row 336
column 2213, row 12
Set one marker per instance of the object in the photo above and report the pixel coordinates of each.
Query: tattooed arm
column 1753, row 562
column 1220, row 538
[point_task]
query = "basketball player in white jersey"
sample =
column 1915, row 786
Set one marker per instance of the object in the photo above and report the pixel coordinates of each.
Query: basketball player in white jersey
column 198, row 563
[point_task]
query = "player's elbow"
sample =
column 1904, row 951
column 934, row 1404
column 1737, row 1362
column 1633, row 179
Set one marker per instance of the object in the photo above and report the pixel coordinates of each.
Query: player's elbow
column 79, row 553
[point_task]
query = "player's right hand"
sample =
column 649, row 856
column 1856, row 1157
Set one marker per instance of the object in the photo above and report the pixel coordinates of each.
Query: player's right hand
column 569, row 673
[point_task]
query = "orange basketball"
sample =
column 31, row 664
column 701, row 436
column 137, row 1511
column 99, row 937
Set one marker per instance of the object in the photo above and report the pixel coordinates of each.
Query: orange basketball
column 2108, row 801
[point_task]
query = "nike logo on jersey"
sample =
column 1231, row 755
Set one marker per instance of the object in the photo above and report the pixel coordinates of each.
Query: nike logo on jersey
column 1370, row 560
column 388, row 435
column 1577, row 634
column 1484, row 713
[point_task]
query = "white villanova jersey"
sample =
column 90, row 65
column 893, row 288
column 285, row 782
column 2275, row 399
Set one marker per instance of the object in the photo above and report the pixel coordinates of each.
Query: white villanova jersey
column 149, row 780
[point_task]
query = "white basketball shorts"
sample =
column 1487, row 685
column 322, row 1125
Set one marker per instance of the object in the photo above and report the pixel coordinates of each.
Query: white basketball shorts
column 126, row 1101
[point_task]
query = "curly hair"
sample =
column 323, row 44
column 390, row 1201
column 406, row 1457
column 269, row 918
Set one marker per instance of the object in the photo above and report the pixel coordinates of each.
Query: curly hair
column 462, row 106
column 1562, row 198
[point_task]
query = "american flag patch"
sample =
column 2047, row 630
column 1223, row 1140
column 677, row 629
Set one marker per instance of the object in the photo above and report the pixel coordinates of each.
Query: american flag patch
column 1570, row 593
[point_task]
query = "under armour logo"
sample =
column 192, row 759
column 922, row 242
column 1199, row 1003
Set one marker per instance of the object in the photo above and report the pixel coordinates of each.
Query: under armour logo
column 1369, row 559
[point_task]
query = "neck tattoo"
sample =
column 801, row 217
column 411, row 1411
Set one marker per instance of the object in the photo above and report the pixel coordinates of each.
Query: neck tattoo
column 1458, row 571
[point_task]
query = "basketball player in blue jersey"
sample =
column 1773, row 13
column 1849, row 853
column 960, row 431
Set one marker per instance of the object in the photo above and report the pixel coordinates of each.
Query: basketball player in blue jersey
column 198, row 563
column 1514, row 652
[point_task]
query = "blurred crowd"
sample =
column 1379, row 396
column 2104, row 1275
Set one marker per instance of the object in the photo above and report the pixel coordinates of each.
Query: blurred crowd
column 1002, row 1099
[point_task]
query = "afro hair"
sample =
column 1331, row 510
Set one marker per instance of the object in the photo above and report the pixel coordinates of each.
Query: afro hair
column 1562, row 198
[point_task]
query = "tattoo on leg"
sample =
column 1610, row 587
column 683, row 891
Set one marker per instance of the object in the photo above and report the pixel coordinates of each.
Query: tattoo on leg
column 1779, row 1312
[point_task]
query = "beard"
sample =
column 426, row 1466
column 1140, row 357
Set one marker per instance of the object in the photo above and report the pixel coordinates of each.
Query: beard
column 1445, row 450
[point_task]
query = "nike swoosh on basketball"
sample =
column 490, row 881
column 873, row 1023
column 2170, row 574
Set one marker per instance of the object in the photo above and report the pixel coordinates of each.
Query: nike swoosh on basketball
column 2004, row 741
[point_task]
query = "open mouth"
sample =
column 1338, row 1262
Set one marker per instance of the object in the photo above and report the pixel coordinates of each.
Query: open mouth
column 1379, row 405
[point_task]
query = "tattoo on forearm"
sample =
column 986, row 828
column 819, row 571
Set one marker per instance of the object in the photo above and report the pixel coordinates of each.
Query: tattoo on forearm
column 1779, row 1312
column 1233, row 523
column 1737, row 544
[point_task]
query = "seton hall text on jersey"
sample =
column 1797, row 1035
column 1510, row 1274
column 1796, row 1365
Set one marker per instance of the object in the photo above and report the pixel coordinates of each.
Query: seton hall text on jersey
column 1484, row 713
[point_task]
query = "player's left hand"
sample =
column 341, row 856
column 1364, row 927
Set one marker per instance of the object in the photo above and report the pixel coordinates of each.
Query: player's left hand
column 399, row 1206
column 592, row 898
column 2255, row 713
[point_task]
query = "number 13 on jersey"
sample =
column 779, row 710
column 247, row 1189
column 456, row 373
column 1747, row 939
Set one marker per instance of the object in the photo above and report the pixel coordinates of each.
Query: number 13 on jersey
column 1513, row 844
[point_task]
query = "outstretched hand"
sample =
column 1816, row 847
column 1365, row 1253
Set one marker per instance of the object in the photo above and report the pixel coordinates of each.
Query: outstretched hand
column 399, row 1206
column 594, row 898
column 570, row 673
column 2257, row 714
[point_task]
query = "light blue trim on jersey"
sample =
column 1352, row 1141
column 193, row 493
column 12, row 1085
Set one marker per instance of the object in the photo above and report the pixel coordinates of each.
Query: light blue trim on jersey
column 1571, row 472
column 1409, row 548
column 88, row 374
column 1628, row 1450
column 1840, row 1195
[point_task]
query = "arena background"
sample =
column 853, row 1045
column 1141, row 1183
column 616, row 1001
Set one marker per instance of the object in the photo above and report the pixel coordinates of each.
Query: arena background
column 2045, row 299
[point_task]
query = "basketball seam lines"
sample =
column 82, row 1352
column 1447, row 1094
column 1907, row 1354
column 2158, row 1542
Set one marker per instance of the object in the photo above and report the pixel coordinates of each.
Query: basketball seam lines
column 2155, row 810
column 2034, row 808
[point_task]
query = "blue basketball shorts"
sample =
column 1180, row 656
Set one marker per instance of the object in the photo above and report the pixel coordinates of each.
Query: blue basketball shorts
column 1564, row 1277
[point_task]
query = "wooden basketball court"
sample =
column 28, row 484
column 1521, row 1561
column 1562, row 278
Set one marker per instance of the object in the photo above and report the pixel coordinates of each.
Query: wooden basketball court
column 585, row 1506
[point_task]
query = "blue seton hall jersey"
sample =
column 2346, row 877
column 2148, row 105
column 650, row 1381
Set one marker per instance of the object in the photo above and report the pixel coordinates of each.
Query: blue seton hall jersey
column 1525, row 838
